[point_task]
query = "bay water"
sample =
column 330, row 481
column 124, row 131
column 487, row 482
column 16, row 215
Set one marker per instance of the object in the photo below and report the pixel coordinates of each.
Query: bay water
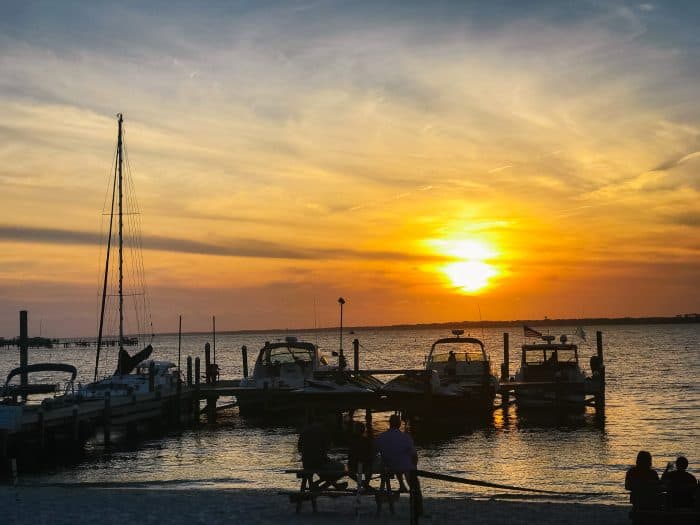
column 652, row 403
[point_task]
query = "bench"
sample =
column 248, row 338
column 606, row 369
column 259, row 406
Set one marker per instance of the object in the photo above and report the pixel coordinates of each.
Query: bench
column 310, row 488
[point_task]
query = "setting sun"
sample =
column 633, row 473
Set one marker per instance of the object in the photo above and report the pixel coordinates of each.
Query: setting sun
column 470, row 276
column 471, row 272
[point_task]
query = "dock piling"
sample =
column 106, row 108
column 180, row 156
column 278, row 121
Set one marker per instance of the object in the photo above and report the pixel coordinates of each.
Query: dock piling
column 356, row 355
column 195, row 398
column 23, row 350
column 207, row 363
column 244, row 356
column 600, row 395
column 505, row 366
column 189, row 371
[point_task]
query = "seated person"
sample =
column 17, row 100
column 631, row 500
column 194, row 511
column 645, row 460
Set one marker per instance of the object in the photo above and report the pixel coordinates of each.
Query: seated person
column 360, row 451
column 313, row 445
column 642, row 480
column 681, row 485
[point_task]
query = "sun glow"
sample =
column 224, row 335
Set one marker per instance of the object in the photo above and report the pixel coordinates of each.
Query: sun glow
column 471, row 272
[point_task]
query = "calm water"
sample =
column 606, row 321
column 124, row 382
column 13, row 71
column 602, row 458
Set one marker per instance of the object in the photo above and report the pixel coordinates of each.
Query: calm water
column 653, row 403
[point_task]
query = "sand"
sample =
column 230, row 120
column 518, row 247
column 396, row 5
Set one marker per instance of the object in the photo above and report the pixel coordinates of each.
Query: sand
column 59, row 505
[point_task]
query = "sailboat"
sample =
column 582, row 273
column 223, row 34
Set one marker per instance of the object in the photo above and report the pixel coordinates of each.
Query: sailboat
column 134, row 374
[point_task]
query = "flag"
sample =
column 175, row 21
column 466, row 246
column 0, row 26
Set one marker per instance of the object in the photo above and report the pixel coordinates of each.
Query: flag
column 581, row 332
column 529, row 332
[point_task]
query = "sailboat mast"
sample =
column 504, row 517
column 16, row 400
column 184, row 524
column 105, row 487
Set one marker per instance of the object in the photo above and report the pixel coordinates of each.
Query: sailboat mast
column 120, row 148
column 106, row 276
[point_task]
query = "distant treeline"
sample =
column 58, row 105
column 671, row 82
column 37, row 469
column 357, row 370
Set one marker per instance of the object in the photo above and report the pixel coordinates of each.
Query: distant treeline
column 518, row 324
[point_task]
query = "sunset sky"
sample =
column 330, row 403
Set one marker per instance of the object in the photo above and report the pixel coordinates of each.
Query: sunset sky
column 451, row 161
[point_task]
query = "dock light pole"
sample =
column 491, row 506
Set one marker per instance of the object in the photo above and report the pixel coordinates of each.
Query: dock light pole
column 341, row 357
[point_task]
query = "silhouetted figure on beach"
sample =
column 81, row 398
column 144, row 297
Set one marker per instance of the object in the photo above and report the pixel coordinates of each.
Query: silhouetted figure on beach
column 314, row 443
column 360, row 452
column 681, row 484
column 643, row 483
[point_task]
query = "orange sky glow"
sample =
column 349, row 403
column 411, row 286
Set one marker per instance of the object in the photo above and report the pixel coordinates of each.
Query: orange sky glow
column 427, row 166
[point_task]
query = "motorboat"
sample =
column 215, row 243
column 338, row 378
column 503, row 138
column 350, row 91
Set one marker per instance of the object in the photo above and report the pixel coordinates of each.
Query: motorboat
column 290, row 375
column 457, row 379
column 550, row 376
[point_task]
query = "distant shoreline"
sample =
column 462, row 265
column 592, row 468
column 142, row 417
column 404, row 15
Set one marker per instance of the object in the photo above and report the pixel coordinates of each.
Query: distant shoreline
column 517, row 324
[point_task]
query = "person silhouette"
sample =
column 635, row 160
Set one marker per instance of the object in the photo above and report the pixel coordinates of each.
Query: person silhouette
column 314, row 443
column 451, row 367
column 681, row 484
column 360, row 452
column 641, row 480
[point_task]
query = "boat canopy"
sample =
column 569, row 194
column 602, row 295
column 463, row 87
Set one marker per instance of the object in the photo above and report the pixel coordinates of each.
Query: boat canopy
column 42, row 367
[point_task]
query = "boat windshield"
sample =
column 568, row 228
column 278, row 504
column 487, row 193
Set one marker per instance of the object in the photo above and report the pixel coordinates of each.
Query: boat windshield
column 542, row 356
column 287, row 354
column 462, row 354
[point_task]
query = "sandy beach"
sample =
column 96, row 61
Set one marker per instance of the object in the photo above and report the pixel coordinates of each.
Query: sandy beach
column 68, row 505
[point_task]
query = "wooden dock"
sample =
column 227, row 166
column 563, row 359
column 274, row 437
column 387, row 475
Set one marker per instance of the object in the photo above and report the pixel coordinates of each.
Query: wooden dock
column 68, row 420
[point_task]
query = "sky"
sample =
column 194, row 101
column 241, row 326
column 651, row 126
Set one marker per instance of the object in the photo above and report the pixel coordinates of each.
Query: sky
column 428, row 162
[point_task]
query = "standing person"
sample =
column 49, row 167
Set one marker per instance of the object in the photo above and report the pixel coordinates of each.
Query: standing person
column 451, row 366
column 681, row 484
column 399, row 456
column 397, row 449
column 641, row 480
column 313, row 445
column 360, row 451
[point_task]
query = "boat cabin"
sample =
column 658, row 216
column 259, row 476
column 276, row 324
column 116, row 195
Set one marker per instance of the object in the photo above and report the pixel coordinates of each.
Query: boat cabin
column 541, row 361
column 458, row 356
column 289, row 361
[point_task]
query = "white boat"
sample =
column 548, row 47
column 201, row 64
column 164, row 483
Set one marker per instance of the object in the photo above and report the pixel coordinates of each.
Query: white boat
column 457, row 379
column 132, row 375
column 292, row 375
column 550, row 376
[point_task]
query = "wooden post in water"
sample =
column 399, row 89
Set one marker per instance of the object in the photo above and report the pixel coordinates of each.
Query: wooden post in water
column 177, row 416
column 23, row 349
column 505, row 366
column 244, row 354
column 179, row 344
column 107, row 419
column 600, row 395
column 207, row 363
column 195, row 397
column 356, row 354
column 211, row 410
column 189, row 371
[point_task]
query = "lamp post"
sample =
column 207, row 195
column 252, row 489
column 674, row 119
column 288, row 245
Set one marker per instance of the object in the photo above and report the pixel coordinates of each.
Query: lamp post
column 341, row 357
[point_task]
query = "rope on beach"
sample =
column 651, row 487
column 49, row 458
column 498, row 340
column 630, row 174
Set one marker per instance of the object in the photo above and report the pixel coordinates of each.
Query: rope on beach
column 479, row 483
